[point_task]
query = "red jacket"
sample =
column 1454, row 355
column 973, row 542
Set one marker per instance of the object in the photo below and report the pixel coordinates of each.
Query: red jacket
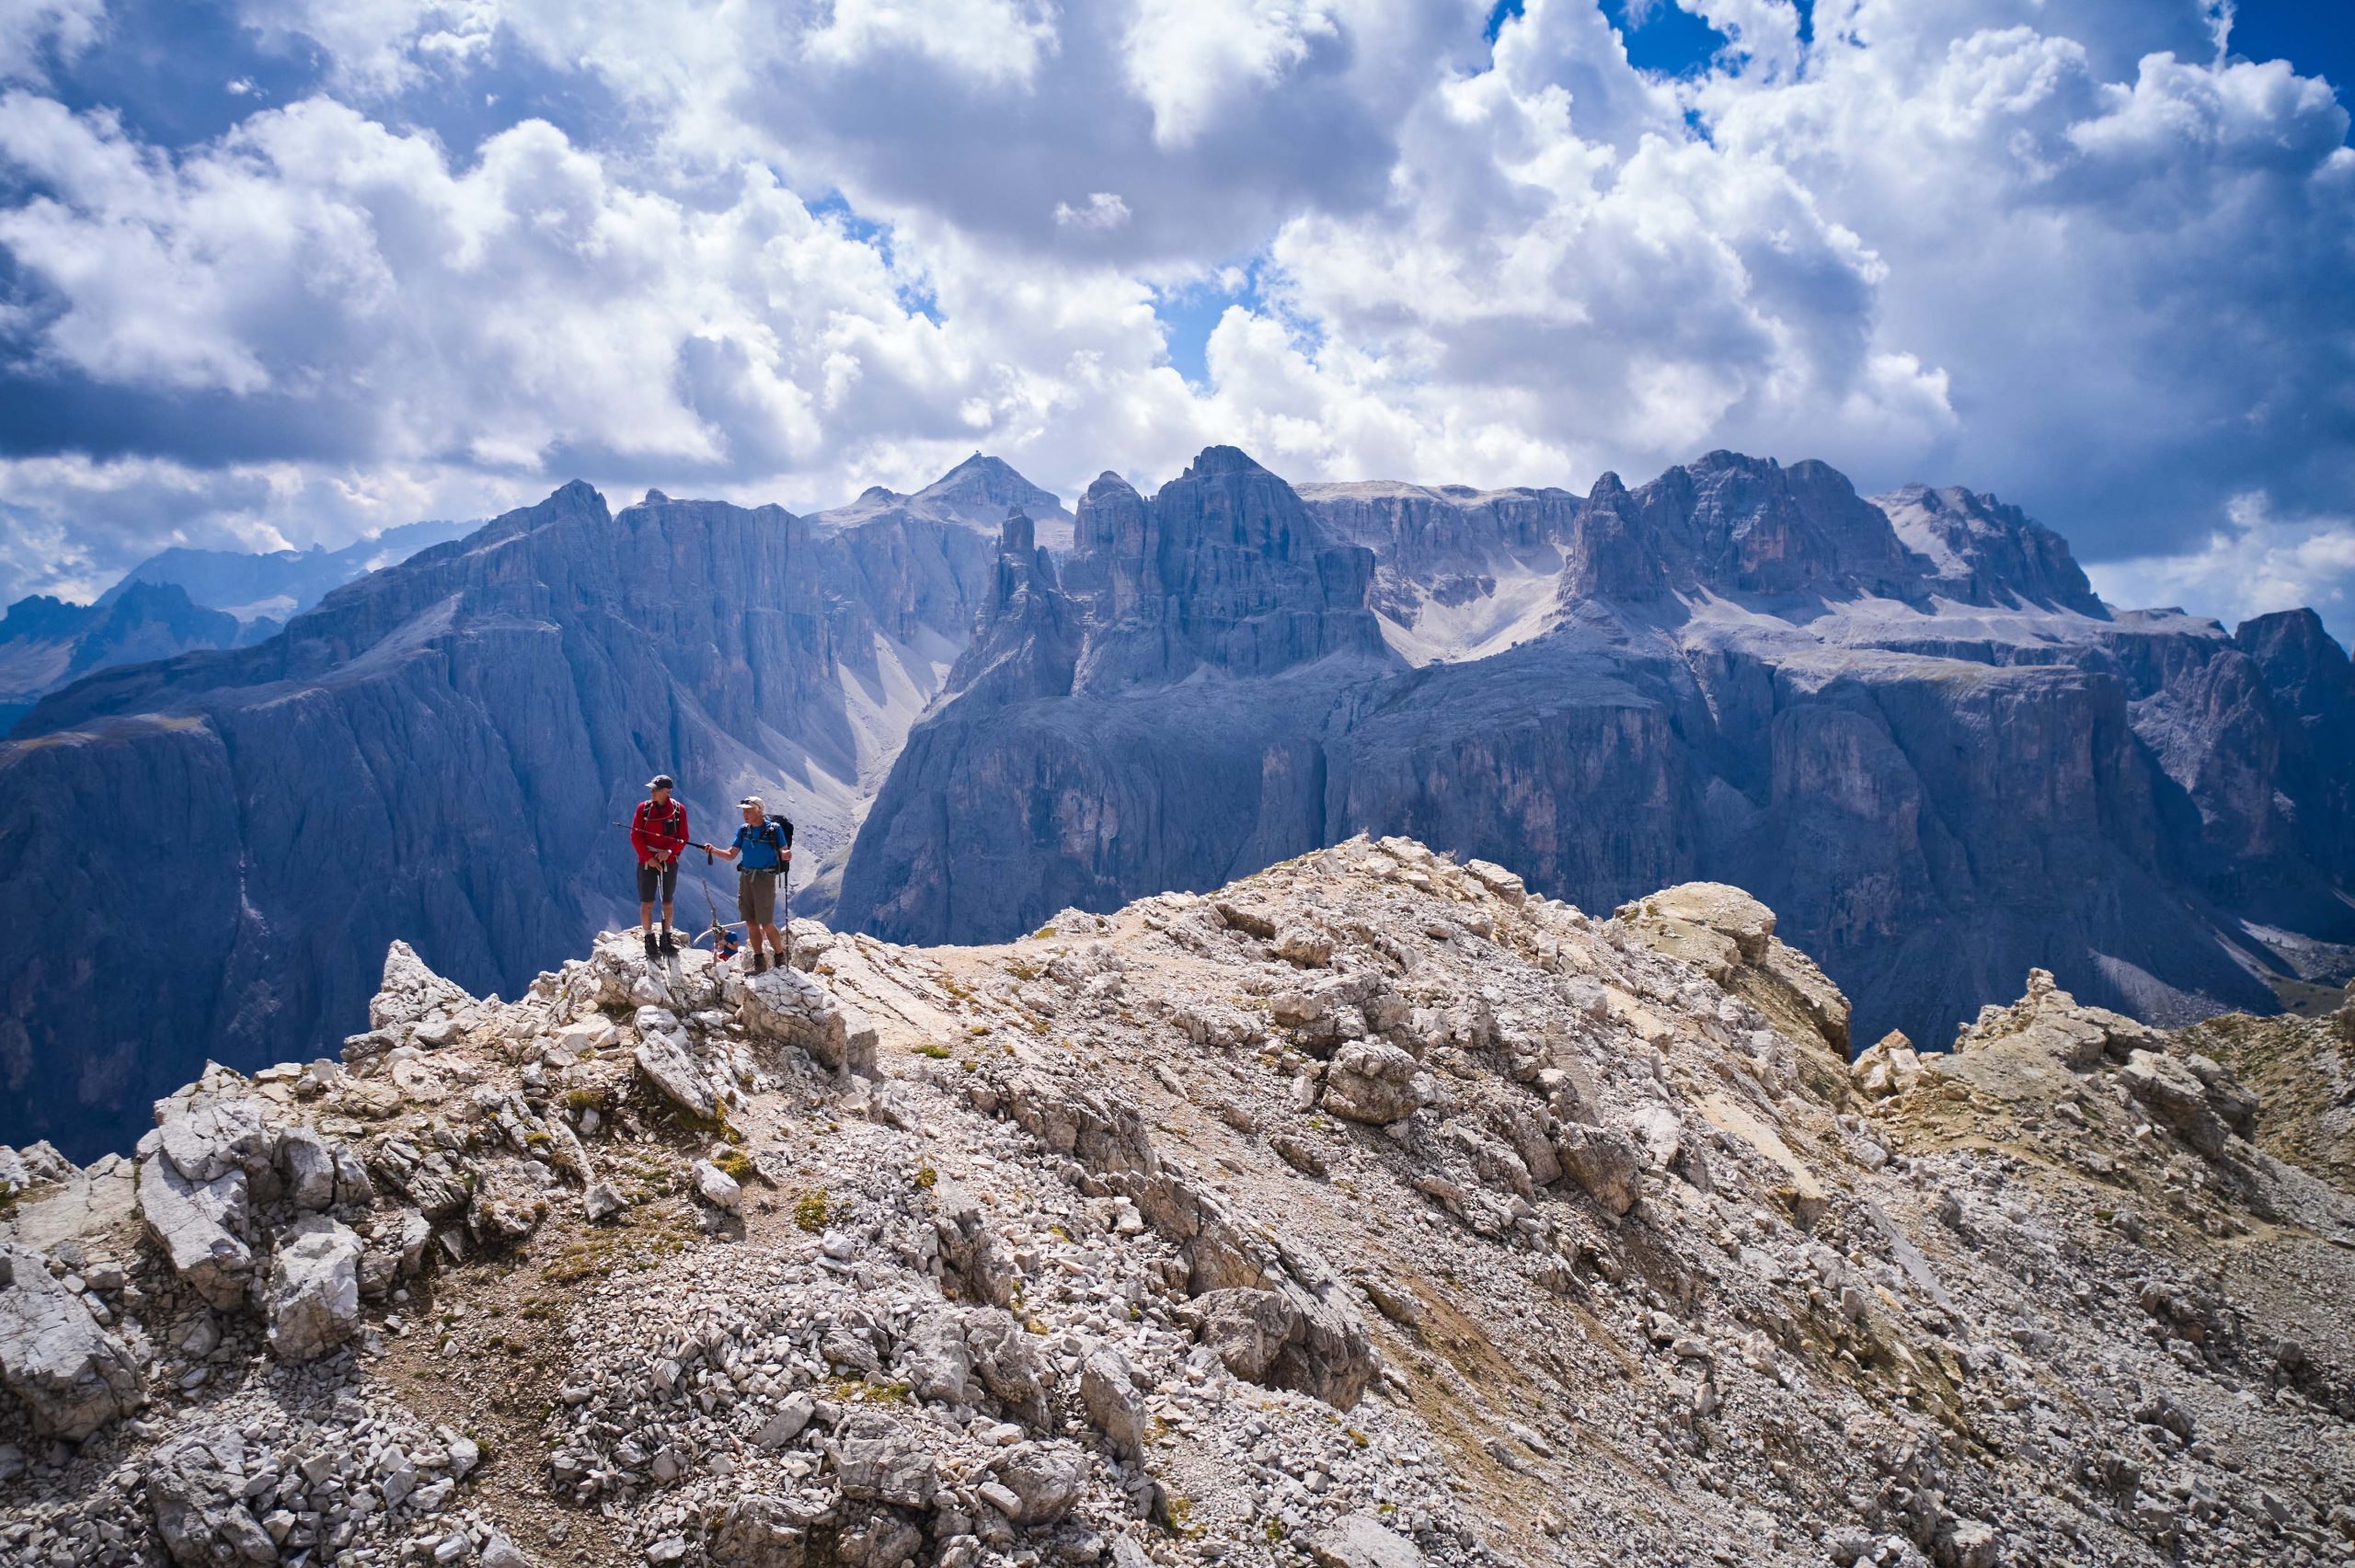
column 655, row 835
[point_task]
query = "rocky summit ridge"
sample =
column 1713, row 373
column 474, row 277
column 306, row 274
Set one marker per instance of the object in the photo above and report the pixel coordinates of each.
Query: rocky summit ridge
column 1368, row 1211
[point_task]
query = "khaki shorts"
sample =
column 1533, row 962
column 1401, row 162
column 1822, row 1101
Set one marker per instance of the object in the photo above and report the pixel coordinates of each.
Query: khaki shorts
column 757, row 896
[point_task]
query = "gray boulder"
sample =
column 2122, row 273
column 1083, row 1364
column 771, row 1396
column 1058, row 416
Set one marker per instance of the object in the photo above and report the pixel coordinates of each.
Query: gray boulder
column 761, row 1530
column 1287, row 1337
column 1373, row 1081
column 200, row 1228
column 662, row 1057
column 195, row 1487
column 307, row 1166
column 72, row 1375
column 794, row 1009
column 312, row 1303
column 1003, row 1360
column 408, row 990
column 1113, row 1404
column 880, row 1460
column 2176, row 1098
column 934, row 1356
column 1360, row 1540
column 1045, row 1480
column 1604, row 1162
column 215, row 1136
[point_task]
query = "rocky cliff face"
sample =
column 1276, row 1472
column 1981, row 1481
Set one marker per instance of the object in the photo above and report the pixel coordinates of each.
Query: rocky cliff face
column 1907, row 723
column 1150, row 717
column 1371, row 1211
column 439, row 752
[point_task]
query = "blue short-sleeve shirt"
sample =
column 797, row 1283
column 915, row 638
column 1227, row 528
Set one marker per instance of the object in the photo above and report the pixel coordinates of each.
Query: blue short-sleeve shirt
column 758, row 846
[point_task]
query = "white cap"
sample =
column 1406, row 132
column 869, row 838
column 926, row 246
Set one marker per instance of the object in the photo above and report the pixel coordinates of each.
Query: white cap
column 752, row 800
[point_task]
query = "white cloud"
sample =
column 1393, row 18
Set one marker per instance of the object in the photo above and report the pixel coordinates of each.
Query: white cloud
column 32, row 29
column 380, row 46
column 2255, row 564
column 1103, row 210
column 996, row 40
column 531, row 304
column 1188, row 58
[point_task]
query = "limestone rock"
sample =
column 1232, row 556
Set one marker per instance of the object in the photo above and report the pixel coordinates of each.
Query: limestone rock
column 199, row 1228
column 504, row 1207
column 2177, row 1098
column 312, row 1302
column 663, row 1057
column 1044, row 1478
column 764, row 1531
column 1108, row 1389
column 1360, row 1540
column 1001, row 1359
column 307, row 1167
column 1889, row 1066
column 1604, row 1162
column 211, row 1135
column 880, row 1460
column 409, row 992
column 934, row 1357
column 71, row 1373
column 1373, row 1081
column 195, row 1487
column 795, row 1009
column 718, row 1188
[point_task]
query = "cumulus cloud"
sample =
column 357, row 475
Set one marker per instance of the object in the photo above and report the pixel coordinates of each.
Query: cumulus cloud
column 32, row 30
column 1188, row 58
column 527, row 305
column 2256, row 564
column 2068, row 250
column 71, row 524
column 1103, row 210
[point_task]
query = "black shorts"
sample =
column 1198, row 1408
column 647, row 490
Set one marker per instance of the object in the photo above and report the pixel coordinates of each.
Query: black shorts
column 650, row 877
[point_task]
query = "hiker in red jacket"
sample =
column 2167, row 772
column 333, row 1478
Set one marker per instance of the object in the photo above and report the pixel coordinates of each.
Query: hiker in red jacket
column 658, row 831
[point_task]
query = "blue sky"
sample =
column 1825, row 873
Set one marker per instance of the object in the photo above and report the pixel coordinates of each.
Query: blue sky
column 287, row 271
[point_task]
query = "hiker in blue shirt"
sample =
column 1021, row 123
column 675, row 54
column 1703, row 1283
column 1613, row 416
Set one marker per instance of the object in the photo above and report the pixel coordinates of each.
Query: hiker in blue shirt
column 763, row 852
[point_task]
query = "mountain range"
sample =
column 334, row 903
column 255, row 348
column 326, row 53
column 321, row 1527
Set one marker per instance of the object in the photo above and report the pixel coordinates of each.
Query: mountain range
column 1906, row 722
column 179, row 601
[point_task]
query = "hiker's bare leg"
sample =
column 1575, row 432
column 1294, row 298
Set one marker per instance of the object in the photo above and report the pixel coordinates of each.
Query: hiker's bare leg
column 666, row 916
column 646, row 917
column 777, row 944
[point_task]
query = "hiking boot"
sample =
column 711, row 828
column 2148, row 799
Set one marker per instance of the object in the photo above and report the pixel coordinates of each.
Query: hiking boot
column 668, row 945
column 652, row 951
column 760, row 962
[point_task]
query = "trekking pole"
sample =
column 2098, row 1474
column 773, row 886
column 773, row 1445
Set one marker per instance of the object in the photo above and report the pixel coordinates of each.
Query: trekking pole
column 785, row 904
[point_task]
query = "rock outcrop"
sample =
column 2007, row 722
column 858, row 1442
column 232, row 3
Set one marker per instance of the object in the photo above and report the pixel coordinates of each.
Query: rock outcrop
column 72, row 1376
column 1087, row 1262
